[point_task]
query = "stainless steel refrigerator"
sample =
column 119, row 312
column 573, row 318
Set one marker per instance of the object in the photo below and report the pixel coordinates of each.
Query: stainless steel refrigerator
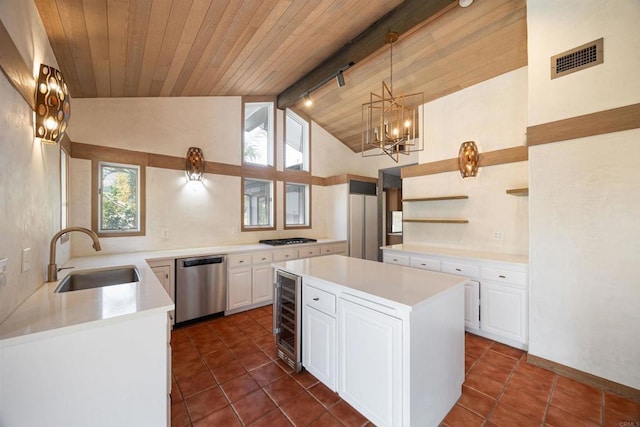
column 363, row 226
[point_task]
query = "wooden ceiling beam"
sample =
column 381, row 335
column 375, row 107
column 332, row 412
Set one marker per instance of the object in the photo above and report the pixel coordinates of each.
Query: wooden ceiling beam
column 403, row 18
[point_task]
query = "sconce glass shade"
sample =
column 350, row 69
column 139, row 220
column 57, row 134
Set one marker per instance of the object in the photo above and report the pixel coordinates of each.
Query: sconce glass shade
column 53, row 106
column 468, row 159
column 195, row 164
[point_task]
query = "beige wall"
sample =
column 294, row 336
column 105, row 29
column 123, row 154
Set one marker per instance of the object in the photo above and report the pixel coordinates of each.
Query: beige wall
column 29, row 171
column 584, row 197
column 196, row 214
column 493, row 114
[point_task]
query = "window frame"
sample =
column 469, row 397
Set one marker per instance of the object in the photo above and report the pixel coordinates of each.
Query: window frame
column 272, row 226
column 271, row 156
column 308, row 203
column 64, row 193
column 306, row 122
column 96, row 186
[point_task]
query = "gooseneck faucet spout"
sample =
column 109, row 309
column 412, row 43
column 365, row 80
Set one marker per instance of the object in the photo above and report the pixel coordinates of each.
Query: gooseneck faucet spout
column 52, row 269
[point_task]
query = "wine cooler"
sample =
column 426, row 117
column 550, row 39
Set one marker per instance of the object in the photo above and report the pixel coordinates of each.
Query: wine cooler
column 287, row 318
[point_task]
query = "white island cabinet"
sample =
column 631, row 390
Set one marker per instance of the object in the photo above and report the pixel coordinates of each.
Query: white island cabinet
column 390, row 338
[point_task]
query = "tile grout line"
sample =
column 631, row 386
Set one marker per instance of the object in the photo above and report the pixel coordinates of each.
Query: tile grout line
column 550, row 397
column 504, row 387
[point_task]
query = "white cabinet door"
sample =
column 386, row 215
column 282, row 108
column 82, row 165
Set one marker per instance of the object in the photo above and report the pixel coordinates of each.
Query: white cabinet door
column 504, row 311
column 262, row 284
column 163, row 273
column 238, row 287
column 370, row 362
column 319, row 351
column 472, row 305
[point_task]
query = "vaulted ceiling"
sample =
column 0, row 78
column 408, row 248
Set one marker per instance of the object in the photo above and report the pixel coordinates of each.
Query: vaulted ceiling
column 147, row 48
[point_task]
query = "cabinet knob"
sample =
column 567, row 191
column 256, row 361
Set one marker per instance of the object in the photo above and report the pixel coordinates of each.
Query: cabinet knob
column 240, row 262
column 457, row 269
column 316, row 299
column 502, row 277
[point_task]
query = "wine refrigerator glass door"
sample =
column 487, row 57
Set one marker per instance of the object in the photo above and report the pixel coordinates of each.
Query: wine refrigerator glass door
column 286, row 318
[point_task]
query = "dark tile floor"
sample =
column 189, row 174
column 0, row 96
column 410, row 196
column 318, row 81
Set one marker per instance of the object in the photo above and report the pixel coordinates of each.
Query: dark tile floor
column 226, row 373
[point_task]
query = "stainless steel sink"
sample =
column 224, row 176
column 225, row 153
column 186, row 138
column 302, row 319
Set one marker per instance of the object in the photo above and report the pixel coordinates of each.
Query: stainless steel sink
column 97, row 278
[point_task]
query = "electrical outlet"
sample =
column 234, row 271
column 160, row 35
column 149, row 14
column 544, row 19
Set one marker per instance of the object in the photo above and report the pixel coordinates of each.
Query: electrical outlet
column 3, row 271
column 498, row 235
column 165, row 233
column 26, row 259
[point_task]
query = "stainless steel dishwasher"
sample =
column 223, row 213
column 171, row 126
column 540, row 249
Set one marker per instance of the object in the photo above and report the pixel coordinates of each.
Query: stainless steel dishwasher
column 201, row 287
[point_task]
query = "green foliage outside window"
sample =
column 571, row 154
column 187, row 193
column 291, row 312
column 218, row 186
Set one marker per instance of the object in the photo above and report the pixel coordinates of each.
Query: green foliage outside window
column 119, row 198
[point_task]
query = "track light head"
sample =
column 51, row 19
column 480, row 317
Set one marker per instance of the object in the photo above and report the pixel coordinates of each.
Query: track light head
column 340, row 79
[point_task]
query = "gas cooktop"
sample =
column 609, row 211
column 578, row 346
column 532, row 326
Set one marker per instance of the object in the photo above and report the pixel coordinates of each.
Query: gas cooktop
column 288, row 241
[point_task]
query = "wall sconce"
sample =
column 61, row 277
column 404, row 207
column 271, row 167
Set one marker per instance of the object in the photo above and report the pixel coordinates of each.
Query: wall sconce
column 468, row 159
column 195, row 164
column 53, row 105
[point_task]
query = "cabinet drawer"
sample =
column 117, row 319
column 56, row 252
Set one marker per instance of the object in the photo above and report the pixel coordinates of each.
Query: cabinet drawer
column 326, row 250
column 425, row 263
column 319, row 299
column 285, row 255
column 340, row 248
column 261, row 258
column 501, row 275
column 461, row 269
column 238, row 260
column 307, row 252
column 396, row 259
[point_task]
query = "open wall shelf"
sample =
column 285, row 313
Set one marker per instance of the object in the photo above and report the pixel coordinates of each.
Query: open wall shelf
column 435, row 199
column 437, row 220
column 520, row 192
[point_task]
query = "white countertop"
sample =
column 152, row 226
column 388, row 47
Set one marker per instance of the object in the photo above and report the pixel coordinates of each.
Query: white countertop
column 458, row 253
column 393, row 283
column 47, row 313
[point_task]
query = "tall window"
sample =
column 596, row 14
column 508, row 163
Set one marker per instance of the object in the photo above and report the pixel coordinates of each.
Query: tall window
column 297, row 206
column 64, row 193
column 296, row 152
column 257, row 204
column 120, row 200
column 258, row 135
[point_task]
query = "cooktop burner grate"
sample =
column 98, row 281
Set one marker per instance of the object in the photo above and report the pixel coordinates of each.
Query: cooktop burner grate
column 288, row 241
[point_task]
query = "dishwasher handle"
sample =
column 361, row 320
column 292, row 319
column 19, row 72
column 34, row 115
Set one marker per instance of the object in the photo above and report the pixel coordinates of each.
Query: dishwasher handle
column 201, row 261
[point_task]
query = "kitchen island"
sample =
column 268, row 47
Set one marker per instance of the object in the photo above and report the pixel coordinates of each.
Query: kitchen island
column 389, row 339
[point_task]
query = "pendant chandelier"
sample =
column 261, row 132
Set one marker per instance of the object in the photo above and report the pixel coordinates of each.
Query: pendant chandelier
column 391, row 123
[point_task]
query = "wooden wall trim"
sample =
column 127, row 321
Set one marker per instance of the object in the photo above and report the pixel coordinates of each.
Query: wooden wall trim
column 599, row 382
column 599, row 123
column 15, row 69
column 490, row 158
column 120, row 155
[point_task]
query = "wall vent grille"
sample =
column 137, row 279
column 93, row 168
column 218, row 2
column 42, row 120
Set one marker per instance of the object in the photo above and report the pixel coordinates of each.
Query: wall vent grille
column 577, row 59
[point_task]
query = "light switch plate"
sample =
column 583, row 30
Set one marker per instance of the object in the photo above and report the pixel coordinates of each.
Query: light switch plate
column 26, row 259
column 3, row 271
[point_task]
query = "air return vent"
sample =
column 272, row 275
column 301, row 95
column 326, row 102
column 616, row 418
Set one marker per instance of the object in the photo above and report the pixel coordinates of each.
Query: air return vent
column 577, row 59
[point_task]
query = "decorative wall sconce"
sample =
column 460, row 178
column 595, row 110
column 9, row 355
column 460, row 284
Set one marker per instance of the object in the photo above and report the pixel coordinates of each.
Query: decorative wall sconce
column 468, row 159
column 194, row 164
column 53, row 106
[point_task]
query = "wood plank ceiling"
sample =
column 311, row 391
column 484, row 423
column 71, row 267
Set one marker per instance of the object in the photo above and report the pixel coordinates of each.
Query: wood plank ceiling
column 149, row 48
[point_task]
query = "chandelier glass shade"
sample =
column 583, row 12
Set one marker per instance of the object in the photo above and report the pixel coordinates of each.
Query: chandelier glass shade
column 391, row 123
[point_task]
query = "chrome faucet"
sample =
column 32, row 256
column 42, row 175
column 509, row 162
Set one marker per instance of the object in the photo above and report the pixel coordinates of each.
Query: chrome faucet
column 52, row 269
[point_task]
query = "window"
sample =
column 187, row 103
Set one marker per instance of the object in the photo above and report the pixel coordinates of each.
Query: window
column 64, row 193
column 296, row 152
column 297, row 206
column 257, row 204
column 258, row 136
column 120, row 200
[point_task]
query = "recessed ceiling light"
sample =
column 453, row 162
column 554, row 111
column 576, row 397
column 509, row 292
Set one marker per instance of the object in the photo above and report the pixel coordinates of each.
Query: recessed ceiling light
column 465, row 3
